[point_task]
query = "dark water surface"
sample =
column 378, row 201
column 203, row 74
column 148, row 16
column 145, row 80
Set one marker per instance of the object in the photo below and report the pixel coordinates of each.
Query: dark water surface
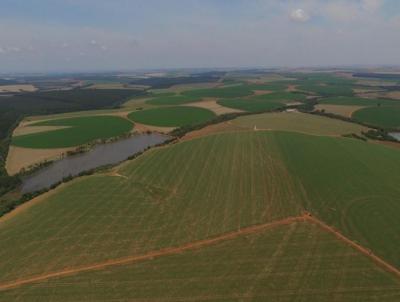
column 100, row 155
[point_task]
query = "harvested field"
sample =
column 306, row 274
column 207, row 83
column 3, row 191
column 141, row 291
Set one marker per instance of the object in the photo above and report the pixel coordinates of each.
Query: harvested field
column 211, row 104
column 17, row 88
column 213, row 129
column 23, row 129
column 80, row 130
column 172, row 116
column 393, row 95
column 262, row 92
column 250, row 105
column 345, row 110
column 22, row 158
column 141, row 128
column 264, row 265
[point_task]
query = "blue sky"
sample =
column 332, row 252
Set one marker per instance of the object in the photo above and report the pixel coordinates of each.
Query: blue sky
column 75, row 35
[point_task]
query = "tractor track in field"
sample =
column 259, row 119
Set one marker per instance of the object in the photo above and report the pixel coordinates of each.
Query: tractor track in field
column 155, row 254
column 365, row 251
column 306, row 217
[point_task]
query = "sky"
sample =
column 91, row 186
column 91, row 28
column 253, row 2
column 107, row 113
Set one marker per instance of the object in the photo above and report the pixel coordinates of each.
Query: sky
column 101, row 35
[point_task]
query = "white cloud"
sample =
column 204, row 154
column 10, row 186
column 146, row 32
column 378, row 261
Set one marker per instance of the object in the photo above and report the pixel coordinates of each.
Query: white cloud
column 299, row 15
column 14, row 49
column 341, row 10
column 2, row 50
column 371, row 5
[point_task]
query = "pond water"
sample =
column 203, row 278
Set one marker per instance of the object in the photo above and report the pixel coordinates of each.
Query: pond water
column 100, row 155
column 396, row 135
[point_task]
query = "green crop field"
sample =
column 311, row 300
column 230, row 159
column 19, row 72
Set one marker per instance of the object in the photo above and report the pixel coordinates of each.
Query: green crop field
column 357, row 101
column 182, row 193
column 297, row 262
column 172, row 116
column 251, row 105
column 227, row 92
column 385, row 117
column 81, row 130
column 204, row 188
column 352, row 185
column 281, row 97
column 172, row 100
column 298, row 122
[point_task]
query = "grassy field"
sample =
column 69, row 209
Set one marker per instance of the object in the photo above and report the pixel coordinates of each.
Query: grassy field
column 227, row 92
column 206, row 187
column 298, row 122
column 352, row 185
column 297, row 262
column 385, row 117
column 250, row 105
column 172, row 100
column 186, row 192
column 81, row 130
column 357, row 101
column 172, row 116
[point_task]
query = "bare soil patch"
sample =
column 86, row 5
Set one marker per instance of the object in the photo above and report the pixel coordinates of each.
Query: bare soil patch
column 17, row 88
column 141, row 128
column 393, row 95
column 27, row 129
column 19, row 158
column 211, row 104
column 261, row 92
column 211, row 129
column 338, row 109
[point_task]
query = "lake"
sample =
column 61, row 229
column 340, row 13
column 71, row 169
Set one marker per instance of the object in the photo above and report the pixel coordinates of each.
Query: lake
column 100, row 155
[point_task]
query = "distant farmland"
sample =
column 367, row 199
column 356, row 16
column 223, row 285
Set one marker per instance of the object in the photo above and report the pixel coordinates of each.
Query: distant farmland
column 172, row 116
column 250, row 105
column 80, row 130
column 227, row 92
